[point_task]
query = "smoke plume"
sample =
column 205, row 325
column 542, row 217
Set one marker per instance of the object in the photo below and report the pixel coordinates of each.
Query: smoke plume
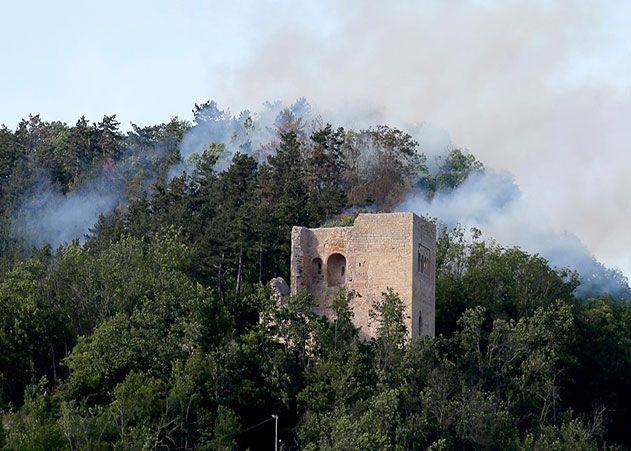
column 253, row 133
column 538, row 88
column 48, row 216
column 492, row 202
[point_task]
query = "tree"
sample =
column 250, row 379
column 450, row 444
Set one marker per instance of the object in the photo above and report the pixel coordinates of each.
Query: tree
column 108, row 137
column 152, row 319
column 454, row 169
column 20, row 330
column 227, row 426
column 324, row 173
column 389, row 314
column 509, row 283
column 602, row 352
column 284, row 195
column 383, row 164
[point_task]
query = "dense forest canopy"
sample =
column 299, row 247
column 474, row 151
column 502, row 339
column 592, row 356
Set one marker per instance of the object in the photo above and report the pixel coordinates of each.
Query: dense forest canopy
column 135, row 311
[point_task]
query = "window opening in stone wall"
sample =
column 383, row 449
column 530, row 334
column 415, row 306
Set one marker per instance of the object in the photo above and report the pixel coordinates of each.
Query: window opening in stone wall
column 316, row 270
column 420, row 323
column 336, row 270
column 423, row 259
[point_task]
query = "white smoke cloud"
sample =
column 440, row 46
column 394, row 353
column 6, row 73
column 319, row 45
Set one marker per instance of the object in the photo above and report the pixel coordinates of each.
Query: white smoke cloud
column 538, row 88
column 492, row 202
column 253, row 133
column 50, row 217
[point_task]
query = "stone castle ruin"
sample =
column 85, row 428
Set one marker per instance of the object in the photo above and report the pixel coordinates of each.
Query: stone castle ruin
column 380, row 251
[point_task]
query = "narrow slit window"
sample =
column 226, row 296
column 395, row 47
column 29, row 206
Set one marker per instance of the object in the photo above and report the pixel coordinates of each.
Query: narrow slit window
column 423, row 259
column 316, row 270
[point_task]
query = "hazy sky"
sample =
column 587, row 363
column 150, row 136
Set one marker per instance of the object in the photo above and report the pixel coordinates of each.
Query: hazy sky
column 541, row 89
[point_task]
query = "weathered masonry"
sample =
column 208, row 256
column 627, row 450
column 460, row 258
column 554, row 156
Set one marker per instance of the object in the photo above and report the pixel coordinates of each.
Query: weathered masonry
column 380, row 251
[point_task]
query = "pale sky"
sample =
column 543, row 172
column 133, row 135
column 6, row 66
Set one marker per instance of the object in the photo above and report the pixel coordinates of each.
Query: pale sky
column 540, row 89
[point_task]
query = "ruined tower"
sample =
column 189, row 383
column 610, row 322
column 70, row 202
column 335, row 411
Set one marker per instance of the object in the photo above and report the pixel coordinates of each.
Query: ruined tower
column 380, row 251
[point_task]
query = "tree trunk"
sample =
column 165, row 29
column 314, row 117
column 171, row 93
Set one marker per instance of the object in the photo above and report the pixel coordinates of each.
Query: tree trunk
column 52, row 353
column 239, row 270
column 261, row 261
column 220, row 278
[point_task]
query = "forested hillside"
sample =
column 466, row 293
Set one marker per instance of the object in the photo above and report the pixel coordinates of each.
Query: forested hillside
column 135, row 311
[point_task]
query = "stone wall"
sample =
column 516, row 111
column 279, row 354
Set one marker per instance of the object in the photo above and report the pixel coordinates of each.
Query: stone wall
column 380, row 251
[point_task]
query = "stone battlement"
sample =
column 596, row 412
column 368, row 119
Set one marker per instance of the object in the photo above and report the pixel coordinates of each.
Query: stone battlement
column 380, row 251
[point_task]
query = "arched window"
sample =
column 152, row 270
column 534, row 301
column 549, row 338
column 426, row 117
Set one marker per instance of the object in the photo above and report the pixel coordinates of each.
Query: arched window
column 316, row 270
column 336, row 270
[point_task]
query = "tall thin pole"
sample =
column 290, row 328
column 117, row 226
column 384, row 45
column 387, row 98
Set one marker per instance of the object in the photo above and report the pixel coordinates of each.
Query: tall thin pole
column 275, row 432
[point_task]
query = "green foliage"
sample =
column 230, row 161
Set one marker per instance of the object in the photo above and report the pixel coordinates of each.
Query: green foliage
column 35, row 426
column 382, row 164
column 226, row 429
column 389, row 313
column 571, row 435
column 154, row 318
column 20, row 328
column 602, row 361
column 508, row 282
column 137, row 411
column 453, row 170
column 159, row 332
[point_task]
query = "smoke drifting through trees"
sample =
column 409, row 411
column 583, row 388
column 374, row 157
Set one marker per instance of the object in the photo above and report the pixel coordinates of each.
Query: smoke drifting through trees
column 250, row 133
column 476, row 197
column 538, row 88
column 50, row 217
column 492, row 202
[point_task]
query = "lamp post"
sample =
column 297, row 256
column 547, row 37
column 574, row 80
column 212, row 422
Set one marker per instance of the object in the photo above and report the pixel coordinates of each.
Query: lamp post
column 275, row 432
